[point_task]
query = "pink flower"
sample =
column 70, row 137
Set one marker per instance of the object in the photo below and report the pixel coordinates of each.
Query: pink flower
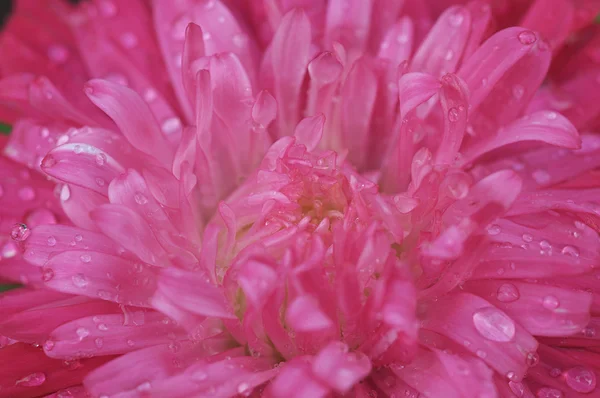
column 296, row 199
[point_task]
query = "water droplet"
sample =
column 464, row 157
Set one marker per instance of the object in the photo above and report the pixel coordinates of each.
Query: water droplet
column 150, row 95
column 99, row 342
column 48, row 345
column 65, row 193
column 26, row 193
column 511, row 376
column 453, row 114
column 82, row 333
column 517, row 388
column 85, row 258
column 243, row 388
column 589, row 331
column 527, row 238
column 456, row 19
column 493, row 230
column 494, row 325
column 140, row 198
column 47, row 274
column 59, row 54
column 527, row 37
column 77, row 149
column 581, row 379
column 102, row 327
column 100, row 181
column 79, row 280
column 20, row 232
column 100, row 159
column 51, row 241
column 545, row 245
column 518, row 91
column 532, row 359
column 551, row 115
column 107, row 8
column 63, row 139
column 547, row 392
column 508, row 293
column 541, row 177
column 570, row 251
column 129, row 40
column 32, row 380
column 199, row 375
column 130, row 343
column 554, row 372
column 481, row 353
column 9, row 250
column 449, row 55
column 206, row 35
column 78, row 238
column 171, row 125
column 550, row 302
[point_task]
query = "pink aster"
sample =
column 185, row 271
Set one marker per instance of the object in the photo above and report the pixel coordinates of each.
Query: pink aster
column 299, row 198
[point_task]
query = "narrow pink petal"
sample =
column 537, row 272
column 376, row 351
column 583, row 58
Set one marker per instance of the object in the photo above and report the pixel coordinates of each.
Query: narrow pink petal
column 193, row 51
column 414, row 89
column 142, row 131
column 348, row 23
column 310, row 131
column 131, row 231
column 47, row 240
column 552, row 19
column 483, row 330
column 545, row 126
column 289, row 56
column 543, row 310
column 25, row 371
column 103, row 276
column 481, row 25
column 77, row 204
column 454, row 101
column 111, row 334
column 508, row 68
column 257, row 280
column 357, row 103
column 30, row 141
column 397, row 44
column 297, row 379
column 340, row 369
column 160, row 361
column 182, row 288
column 443, row 47
column 325, row 71
column 15, row 301
column 35, row 325
column 264, row 110
column 186, row 152
column 304, row 315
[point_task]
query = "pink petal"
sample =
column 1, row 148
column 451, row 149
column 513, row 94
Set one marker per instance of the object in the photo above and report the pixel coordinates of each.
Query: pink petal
column 110, row 334
column 338, row 368
column 453, row 98
column 142, row 131
column 103, row 276
column 398, row 41
column 414, row 89
column 257, row 280
column 545, row 126
column 304, row 315
column 78, row 202
column 127, row 227
column 181, row 288
column 552, row 19
column 501, row 343
column 289, row 56
column 15, row 301
column 310, row 131
column 348, row 23
column 543, row 310
column 47, row 240
column 443, row 47
column 296, row 379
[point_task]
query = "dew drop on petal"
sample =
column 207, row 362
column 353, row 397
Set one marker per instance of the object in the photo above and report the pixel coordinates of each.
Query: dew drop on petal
column 47, row 274
column 555, row 372
column 493, row 230
column 507, row 293
column 532, row 359
column 85, row 258
column 32, row 380
column 100, row 159
column 48, row 345
column 570, row 251
column 65, row 193
column 99, row 342
column 78, row 238
column 527, row 238
column 171, row 125
column 140, row 198
column 581, row 379
column 51, row 241
column 547, row 392
column 518, row 91
column 79, row 280
column 541, row 176
column 550, row 302
column 453, row 114
column 100, row 182
column 494, row 325
column 82, row 333
column 26, row 193
column 527, row 37
column 20, row 232
column 456, row 19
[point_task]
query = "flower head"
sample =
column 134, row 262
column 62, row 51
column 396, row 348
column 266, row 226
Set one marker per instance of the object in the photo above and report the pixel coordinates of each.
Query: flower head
column 307, row 198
